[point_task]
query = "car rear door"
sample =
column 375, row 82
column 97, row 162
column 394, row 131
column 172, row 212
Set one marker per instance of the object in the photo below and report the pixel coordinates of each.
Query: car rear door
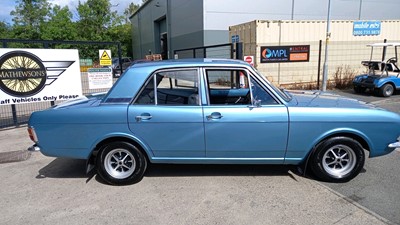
column 167, row 114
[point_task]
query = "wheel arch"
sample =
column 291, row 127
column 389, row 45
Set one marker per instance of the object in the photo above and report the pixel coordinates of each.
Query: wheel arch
column 381, row 83
column 356, row 137
column 349, row 133
column 360, row 138
column 91, row 162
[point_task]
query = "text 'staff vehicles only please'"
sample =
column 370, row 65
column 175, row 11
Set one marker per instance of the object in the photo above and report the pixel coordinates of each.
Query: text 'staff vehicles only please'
column 212, row 111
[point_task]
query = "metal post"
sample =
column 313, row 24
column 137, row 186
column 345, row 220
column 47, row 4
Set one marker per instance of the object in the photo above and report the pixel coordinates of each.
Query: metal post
column 292, row 9
column 319, row 62
column 239, row 50
column 328, row 34
column 46, row 45
column 169, row 33
column 280, row 39
column 384, row 51
column 119, row 57
column 359, row 11
column 14, row 115
column 232, row 50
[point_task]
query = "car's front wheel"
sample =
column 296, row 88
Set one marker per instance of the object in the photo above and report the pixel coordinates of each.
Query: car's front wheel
column 338, row 159
column 121, row 163
column 386, row 90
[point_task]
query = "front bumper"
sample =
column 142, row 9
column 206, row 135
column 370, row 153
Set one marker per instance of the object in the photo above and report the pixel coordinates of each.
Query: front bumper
column 364, row 85
column 34, row 148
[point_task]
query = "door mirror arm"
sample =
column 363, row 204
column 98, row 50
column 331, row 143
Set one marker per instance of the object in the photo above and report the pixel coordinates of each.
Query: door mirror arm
column 255, row 104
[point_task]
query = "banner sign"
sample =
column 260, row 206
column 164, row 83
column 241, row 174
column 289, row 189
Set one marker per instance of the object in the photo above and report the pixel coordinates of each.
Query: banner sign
column 100, row 78
column 364, row 28
column 38, row 75
column 279, row 54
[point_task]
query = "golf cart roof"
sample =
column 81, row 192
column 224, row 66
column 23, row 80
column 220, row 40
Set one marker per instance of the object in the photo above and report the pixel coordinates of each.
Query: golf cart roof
column 384, row 44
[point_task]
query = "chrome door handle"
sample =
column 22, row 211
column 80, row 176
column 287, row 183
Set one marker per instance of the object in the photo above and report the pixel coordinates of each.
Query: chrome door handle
column 143, row 116
column 214, row 116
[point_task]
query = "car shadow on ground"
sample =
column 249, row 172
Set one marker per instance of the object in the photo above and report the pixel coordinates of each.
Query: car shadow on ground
column 185, row 170
column 63, row 168
column 74, row 168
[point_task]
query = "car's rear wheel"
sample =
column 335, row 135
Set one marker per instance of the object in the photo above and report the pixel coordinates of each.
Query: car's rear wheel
column 386, row 90
column 338, row 159
column 121, row 163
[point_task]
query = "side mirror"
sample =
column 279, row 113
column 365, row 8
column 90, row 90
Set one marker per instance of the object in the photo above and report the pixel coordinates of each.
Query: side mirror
column 255, row 104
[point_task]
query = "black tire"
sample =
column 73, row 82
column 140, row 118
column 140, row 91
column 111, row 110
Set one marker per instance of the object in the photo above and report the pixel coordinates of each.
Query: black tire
column 359, row 89
column 337, row 159
column 386, row 90
column 121, row 163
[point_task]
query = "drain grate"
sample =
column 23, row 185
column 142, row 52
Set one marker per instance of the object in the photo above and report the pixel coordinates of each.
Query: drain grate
column 14, row 156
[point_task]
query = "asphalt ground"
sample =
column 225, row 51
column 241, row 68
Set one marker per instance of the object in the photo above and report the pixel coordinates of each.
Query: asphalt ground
column 44, row 190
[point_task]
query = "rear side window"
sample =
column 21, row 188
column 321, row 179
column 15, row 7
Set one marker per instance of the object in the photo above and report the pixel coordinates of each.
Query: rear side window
column 175, row 87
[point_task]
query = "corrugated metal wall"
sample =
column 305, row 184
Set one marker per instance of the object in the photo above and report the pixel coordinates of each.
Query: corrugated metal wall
column 345, row 50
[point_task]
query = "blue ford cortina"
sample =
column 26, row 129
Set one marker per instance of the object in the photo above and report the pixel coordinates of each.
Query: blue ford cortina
column 212, row 111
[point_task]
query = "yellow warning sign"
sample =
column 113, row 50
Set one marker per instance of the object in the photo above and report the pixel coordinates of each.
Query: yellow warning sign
column 105, row 57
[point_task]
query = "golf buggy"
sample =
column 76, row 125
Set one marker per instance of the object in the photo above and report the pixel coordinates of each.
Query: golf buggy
column 383, row 77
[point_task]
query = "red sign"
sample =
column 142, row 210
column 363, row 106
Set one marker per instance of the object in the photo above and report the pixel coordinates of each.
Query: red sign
column 249, row 59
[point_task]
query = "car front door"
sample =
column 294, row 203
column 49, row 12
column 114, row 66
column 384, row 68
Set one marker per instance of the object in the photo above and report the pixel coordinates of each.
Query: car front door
column 167, row 114
column 242, row 119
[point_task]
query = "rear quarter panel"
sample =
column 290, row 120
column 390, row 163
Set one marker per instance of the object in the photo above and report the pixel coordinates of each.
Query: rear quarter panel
column 74, row 132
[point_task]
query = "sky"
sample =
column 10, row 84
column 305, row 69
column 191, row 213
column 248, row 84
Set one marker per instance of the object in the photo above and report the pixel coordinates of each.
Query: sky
column 6, row 6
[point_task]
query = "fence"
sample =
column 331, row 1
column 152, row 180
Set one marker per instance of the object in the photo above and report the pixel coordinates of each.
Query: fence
column 18, row 114
column 214, row 51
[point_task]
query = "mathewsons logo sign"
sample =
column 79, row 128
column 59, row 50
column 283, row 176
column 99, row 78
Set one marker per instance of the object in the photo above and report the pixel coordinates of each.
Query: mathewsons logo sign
column 36, row 75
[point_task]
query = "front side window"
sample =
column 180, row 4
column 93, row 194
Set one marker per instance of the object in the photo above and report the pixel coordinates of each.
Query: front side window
column 235, row 87
column 175, row 87
column 260, row 96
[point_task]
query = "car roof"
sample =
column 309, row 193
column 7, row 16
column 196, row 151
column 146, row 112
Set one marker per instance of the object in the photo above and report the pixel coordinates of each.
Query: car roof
column 384, row 44
column 192, row 62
